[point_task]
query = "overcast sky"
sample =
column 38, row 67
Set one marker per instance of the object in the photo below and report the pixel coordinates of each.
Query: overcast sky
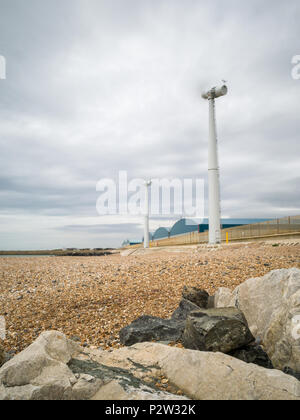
column 98, row 86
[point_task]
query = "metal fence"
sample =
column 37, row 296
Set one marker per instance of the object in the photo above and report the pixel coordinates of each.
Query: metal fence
column 287, row 227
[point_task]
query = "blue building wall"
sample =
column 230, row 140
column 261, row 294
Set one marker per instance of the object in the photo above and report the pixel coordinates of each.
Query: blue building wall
column 183, row 226
column 161, row 233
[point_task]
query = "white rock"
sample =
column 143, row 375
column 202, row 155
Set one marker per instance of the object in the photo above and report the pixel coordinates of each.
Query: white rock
column 50, row 350
column 214, row 376
column 86, row 387
column 223, row 297
column 40, row 371
column 20, row 393
column 114, row 391
column 271, row 305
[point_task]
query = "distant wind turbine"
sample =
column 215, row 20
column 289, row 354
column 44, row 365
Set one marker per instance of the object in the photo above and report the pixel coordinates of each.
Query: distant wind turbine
column 146, row 216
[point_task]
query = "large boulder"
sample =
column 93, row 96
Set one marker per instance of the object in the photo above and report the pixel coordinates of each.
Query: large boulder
column 55, row 368
column 206, row 376
column 61, row 370
column 197, row 296
column 49, row 351
column 271, row 305
column 216, row 376
column 223, row 298
column 150, row 328
column 216, row 330
column 112, row 382
column 184, row 309
column 40, row 371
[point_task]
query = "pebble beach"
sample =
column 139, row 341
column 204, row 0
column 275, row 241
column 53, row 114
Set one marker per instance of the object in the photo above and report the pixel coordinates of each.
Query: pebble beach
column 91, row 298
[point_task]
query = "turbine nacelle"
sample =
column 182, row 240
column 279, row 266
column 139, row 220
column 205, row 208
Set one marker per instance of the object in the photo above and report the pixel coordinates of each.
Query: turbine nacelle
column 215, row 92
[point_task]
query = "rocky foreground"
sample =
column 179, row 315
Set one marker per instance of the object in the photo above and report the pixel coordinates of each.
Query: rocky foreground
column 90, row 299
column 245, row 346
column 55, row 368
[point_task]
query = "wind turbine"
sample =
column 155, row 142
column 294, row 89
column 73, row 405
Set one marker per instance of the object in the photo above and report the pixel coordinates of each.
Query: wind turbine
column 213, row 167
column 146, row 219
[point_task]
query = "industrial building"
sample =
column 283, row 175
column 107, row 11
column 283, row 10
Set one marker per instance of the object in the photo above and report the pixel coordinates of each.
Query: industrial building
column 161, row 233
column 131, row 242
column 184, row 226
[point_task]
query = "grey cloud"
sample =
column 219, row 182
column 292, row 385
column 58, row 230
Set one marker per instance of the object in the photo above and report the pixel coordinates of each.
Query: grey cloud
column 122, row 229
column 95, row 87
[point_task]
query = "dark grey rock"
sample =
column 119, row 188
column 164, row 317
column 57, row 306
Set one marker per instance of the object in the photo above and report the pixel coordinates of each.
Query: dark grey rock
column 223, row 312
column 149, row 328
column 217, row 330
column 292, row 372
column 197, row 296
column 106, row 374
column 184, row 309
column 253, row 354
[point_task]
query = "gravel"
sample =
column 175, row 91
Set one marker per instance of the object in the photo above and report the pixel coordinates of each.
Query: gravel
column 93, row 298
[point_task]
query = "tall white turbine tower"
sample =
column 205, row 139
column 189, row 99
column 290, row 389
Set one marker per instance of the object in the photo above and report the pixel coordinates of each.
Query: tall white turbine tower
column 146, row 221
column 213, row 168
